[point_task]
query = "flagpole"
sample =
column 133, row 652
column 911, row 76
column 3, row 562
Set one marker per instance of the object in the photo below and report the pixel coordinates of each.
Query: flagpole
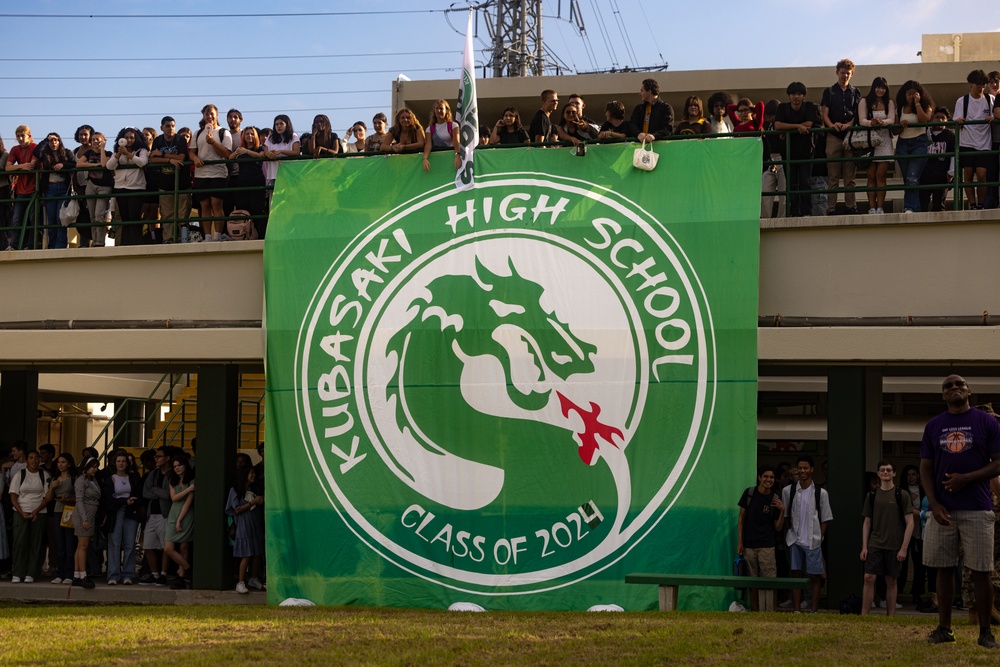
column 468, row 115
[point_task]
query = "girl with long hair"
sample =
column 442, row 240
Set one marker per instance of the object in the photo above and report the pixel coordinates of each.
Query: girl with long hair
column 693, row 120
column 508, row 130
column 442, row 132
column 281, row 144
column 56, row 161
column 405, row 136
column 250, row 175
column 877, row 111
column 121, row 493
column 325, row 141
column 99, row 182
column 914, row 106
column 88, row 498
column 63, row 491
column 245, row 505
column 180, row 520
column 127, row 161
column 357, row 132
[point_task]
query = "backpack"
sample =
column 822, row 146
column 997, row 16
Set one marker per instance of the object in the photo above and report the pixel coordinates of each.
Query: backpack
column 240, row 226
column 965, row 104
column 899, row 503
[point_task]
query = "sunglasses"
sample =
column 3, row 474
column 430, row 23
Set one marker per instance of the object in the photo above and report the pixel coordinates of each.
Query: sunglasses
column 956, row 383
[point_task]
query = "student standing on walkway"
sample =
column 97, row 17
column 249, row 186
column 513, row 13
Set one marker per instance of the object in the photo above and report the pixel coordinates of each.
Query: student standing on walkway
column 959, row 454
column 885, row 536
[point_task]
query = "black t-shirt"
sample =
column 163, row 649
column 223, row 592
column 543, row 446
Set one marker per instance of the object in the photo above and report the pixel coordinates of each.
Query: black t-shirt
column 541, row 125
column 625, row 127
column 513, row 138
column 165, row 172
column 101, row 177
column 801, row 143
column 758, row 526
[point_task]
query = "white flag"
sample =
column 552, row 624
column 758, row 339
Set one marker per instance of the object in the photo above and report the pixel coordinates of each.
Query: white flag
column 468, row 115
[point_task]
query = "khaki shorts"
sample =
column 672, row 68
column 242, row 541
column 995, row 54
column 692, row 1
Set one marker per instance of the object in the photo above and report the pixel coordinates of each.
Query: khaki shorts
column 973, row 529
column 154, row 535
column 761, row 562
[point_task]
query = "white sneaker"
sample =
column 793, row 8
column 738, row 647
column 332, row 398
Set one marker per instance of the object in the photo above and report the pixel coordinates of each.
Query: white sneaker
column 29, row 580
column 805, row 604
column 242, row 588
column 15, row 580
column 787, row 604
column 57, row 581
column 255, row 584
column 872, row 211
column 880, row 211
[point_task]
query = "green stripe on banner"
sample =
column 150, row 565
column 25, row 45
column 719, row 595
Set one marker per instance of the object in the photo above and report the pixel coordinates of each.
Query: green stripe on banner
column 515, row 394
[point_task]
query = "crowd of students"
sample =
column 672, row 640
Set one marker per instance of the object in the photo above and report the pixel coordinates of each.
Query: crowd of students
column 155, row 179
column 77, row 524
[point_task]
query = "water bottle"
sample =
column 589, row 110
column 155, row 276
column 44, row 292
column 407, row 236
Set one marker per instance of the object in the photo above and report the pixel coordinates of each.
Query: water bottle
column 184, row 234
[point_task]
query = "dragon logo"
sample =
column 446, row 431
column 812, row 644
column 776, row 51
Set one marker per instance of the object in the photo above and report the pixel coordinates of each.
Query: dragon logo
column 476, row 372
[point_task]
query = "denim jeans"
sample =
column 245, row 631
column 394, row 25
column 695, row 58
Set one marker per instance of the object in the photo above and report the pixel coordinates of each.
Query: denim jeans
column 121, row 538
column 911, row 168
column 55, row 230
column 22, row 235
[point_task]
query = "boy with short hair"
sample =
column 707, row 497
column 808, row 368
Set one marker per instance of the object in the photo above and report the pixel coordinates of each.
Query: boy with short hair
column 762, row 515
column 809, row 514
column 885, row 536
column 975, row 139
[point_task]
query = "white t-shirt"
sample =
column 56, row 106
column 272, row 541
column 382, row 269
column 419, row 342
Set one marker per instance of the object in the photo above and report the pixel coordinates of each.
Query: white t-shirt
column 271, row 167
column 31, row 493
column 977, row 137
column 440, row 136
column 204, row 150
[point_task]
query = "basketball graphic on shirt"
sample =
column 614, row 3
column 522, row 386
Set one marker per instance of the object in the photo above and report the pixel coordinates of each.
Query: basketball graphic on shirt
column 956, row 442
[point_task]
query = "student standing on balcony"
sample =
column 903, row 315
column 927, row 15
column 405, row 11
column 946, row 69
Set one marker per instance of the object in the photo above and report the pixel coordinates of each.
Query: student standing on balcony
column 168, row 153
column 974, row 139
column 127, row 161
column 877, row 111
column 99, row 182
column 838, row 106
column 797, row 116
column 56, row 162
column 210, row 143
column 22, row 161
column 914, row 106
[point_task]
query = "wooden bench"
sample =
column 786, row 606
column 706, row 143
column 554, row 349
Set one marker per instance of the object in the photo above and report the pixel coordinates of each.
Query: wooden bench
column 669, row 584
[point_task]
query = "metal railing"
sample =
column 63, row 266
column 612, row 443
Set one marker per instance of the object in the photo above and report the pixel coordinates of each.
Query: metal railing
column 115, row 435
column 37, row 200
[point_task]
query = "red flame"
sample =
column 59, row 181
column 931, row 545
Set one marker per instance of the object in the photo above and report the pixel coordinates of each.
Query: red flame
column 592, row 428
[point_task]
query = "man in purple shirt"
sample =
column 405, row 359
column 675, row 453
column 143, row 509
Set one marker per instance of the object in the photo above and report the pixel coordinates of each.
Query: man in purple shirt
column 959, row 454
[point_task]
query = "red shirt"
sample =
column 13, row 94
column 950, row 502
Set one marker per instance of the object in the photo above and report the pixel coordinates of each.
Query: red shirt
column 24, row 181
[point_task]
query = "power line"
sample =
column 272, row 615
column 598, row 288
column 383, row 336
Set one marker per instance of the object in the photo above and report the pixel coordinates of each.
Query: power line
column 202, row 58
column 170, row 113
column 386, row 12
column 195, row 96
column 146, row 77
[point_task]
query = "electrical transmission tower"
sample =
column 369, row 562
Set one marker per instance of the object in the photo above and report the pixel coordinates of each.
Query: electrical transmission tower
column 515, row 30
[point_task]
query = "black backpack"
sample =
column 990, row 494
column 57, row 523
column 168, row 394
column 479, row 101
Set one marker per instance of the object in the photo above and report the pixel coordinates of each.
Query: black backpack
column 899, row 503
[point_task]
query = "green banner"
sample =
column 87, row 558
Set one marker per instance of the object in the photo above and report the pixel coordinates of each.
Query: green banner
column 516, row 394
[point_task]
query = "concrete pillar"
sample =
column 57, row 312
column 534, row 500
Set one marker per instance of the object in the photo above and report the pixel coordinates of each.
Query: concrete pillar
column 19, row 407
column 218, row 394
column 854, row 432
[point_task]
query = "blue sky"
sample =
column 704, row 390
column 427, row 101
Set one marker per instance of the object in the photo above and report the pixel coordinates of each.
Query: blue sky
column 115, row 70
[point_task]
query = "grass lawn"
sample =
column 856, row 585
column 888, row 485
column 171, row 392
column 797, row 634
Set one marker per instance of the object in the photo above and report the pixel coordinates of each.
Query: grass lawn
column 182, row 636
